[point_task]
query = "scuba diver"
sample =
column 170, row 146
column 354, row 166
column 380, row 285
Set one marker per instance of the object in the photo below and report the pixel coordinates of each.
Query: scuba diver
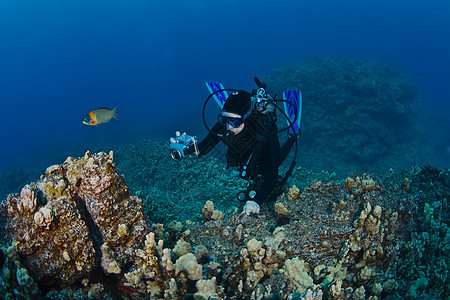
column 247, row 126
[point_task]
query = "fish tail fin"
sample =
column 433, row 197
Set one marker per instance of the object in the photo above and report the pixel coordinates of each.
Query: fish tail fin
column 114, row 113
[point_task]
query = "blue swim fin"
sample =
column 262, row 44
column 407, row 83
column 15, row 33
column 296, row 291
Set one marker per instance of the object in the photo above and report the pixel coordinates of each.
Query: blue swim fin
column 294, row 97
column 220, row 97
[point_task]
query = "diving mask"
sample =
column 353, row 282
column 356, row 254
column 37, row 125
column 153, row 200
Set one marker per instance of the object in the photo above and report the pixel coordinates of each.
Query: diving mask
column 234, row 122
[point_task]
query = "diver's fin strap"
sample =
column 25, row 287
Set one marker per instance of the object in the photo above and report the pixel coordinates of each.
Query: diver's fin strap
column 294, row 97
column 291, row 167
column 219, row 97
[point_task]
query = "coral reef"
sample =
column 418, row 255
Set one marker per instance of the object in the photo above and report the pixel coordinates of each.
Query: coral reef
column 359, row 115
column 423, row 261
column 50, row 235
column 79, row 231
column 78, row 213
column 329, row 240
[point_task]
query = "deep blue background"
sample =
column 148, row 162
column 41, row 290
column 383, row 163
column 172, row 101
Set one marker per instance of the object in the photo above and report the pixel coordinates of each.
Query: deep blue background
column 61, row 59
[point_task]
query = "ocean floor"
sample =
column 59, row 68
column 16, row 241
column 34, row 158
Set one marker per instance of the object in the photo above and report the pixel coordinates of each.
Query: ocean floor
column 134, row 224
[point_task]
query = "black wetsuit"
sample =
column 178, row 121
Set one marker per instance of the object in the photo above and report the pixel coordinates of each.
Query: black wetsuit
column 256, row 145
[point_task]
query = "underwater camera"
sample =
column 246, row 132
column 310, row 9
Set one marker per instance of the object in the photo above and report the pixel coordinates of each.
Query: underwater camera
column 179, row 143
column 177, row 152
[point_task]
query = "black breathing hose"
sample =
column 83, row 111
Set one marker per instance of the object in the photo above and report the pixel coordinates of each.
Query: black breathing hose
column 274, row 103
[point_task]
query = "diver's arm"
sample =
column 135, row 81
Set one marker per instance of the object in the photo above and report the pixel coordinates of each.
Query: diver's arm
column 209, row 142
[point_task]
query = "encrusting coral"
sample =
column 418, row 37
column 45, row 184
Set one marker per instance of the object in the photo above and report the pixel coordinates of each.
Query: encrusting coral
column 84, row 208
column 56, row 244
column 209, row 213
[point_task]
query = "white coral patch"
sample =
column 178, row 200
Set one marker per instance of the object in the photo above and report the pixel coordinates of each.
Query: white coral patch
column 38, row 218
column 66, row 255
column 47, row 213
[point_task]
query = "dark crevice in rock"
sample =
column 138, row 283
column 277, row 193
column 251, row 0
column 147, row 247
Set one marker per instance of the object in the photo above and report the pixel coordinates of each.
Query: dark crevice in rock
column 94, row 231
column 97, row 274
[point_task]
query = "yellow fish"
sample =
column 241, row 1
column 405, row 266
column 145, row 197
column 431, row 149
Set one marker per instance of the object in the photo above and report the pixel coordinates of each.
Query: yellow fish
column 99, row 116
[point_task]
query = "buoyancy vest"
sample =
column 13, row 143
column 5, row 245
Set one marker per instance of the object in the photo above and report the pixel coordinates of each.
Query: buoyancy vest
column 241, row 146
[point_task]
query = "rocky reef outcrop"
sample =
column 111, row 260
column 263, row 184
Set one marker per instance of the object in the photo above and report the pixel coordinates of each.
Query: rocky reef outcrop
column 77, row 217
column 358, row 115
column 79, row 230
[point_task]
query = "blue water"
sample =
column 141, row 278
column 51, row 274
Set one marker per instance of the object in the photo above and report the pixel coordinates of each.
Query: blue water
column 61, row 59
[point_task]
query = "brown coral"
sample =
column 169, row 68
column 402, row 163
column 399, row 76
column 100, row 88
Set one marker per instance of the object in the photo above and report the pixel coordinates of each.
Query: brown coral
column 67, row 206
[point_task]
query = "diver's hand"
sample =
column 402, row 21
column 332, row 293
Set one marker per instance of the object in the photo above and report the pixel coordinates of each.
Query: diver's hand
column 184, row 138
column 251, row 207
